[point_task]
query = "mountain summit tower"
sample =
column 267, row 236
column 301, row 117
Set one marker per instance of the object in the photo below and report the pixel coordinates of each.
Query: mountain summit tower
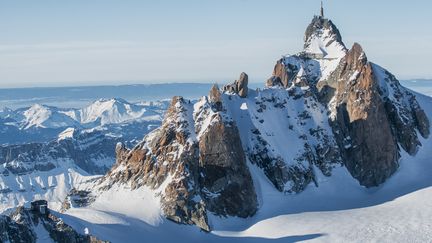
column 322, row 10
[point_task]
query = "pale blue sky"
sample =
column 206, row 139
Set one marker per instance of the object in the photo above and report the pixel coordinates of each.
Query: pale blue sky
column 83, row 42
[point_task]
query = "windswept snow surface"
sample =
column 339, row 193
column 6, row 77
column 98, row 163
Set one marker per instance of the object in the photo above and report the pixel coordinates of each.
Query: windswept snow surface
column 339, row 210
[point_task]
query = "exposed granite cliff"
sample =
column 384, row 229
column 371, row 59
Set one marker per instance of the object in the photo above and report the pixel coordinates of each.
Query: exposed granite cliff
column 361, row 125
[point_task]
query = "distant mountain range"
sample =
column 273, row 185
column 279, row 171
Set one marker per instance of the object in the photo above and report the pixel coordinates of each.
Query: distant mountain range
column 78, row 97
column 42, row 123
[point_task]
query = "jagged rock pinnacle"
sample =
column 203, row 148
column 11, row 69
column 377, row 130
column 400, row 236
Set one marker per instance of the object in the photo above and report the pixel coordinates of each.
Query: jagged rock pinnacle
column 239, row 86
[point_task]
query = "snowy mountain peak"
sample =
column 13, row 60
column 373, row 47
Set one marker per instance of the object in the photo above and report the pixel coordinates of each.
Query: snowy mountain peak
column 45, row 116
column 112, row 101
column 66, row 134
column 323, row 39
column 322, row 53
column 115, row 110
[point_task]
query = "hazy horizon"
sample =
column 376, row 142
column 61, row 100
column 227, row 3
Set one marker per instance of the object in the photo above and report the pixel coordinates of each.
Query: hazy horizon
column 82, row 43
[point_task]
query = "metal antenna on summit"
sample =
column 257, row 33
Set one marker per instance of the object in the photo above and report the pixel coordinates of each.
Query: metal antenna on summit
column 322, row 10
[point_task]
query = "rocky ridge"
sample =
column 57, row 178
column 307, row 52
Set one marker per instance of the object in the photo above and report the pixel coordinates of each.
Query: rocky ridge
column 239, row 86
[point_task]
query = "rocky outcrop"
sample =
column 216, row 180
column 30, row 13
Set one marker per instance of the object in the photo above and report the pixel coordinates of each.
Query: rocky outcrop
column 225, row 179
column 239, row 86
column 193, row 173
column 281, row 76
column 226, row 183
column 362, row 127
column 11, row 231
column 215, row 98
column 77, row 199
column 21, row 226
column 168, row 155
column 374, row 115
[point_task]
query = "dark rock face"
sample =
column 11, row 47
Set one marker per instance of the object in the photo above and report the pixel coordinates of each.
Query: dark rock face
column 368, row 126
column 215, row 98
column 226, row 181
column 239, row 86
column 77, row 198
column 369, row 148
column 274, row 81
column 14, row 232
column 281, row 76
column 20, row 227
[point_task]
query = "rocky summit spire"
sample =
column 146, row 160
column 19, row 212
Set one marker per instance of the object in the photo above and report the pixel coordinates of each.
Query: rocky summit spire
column 322, row 10
column 323, row 39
